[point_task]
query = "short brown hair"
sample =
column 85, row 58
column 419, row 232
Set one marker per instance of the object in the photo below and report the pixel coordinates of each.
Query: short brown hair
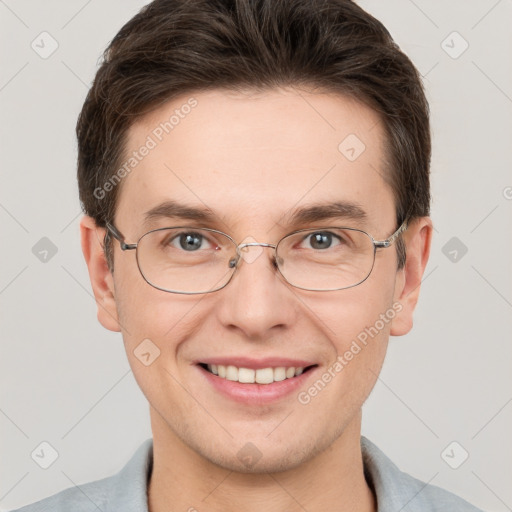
column 172, row 47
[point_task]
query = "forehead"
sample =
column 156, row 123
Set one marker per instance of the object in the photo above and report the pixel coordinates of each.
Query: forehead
column 256, row 157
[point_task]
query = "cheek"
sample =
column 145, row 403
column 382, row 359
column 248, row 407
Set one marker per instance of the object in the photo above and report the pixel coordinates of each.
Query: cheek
column 357, row 323
column 358, row 336
column 347, row 313
column 359, row 344
column 154, row 325
column 153, row 321
column 143, row 310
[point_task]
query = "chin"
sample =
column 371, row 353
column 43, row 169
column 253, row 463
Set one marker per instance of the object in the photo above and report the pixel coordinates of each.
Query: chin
column 264, row 456
column 250, row 460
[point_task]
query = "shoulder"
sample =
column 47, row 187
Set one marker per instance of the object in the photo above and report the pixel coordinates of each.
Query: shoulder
column 83, row 498
column 396, row 490
column 126, row 490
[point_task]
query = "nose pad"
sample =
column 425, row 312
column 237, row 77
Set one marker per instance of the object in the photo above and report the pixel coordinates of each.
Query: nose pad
column 250, row 250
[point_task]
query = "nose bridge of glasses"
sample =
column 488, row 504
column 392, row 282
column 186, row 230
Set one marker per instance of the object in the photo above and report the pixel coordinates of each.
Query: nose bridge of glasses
column 243, row 252
column 243, row 246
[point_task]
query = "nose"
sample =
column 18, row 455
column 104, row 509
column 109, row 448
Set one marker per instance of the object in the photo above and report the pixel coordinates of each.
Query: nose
column 257, row 302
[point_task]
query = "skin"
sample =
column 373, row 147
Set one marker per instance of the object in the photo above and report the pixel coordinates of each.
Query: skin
column 252, row 158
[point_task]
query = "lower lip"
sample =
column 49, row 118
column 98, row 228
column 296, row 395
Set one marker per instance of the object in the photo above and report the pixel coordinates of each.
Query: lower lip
column 256, row 393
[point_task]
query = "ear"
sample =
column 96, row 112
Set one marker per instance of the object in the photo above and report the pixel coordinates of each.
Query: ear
column 101, row 278
column 417, row 240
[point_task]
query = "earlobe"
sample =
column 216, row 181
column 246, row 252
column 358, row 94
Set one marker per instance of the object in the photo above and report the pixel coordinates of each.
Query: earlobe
column 417, row 239
column 101, row 278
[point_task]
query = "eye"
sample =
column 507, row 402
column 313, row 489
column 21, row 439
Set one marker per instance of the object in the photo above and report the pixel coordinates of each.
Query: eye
column 322, row 240
column 188, row 241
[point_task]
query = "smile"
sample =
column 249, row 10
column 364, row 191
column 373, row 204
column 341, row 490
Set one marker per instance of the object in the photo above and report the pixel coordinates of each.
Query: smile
column 254, row 376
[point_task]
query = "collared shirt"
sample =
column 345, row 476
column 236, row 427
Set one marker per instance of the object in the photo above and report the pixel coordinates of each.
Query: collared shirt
column 126, row 491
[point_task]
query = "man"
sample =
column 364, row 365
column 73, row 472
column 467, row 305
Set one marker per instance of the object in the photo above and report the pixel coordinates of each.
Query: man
column 255, row 179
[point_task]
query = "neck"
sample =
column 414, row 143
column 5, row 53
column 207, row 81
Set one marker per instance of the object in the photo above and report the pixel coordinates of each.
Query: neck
column 182, row 479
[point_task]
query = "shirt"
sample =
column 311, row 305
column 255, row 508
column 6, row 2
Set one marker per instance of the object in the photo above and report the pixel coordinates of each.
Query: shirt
column 126, row 491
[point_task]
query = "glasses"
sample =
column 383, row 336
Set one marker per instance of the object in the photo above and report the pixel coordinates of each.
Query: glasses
column 191, row 260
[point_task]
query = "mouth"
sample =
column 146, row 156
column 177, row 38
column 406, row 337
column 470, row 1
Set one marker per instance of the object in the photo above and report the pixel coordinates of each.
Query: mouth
column 256, row 381
column 264, row 376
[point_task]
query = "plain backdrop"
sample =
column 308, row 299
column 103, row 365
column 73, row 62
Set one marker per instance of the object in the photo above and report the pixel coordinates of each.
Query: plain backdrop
column 65, row 380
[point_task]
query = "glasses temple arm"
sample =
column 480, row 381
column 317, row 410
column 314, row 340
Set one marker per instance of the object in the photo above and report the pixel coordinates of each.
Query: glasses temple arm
column 111, row 229
column 393, row 237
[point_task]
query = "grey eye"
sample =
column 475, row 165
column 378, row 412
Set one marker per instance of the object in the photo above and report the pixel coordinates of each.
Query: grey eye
column 190, row 241
column 322, row 240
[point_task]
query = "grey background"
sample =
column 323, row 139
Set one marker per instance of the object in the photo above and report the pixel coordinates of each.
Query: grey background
column 65, row 380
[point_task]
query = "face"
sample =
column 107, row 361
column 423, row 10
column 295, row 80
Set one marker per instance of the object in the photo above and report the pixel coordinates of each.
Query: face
column 254, row 161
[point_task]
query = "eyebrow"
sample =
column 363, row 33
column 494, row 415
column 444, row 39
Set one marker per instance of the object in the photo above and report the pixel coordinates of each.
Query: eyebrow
column 324, row 211
column 312, row 213
column 173, row 209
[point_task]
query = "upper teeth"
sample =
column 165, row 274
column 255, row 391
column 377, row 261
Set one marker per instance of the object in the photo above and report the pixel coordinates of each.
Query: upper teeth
column 250, row 376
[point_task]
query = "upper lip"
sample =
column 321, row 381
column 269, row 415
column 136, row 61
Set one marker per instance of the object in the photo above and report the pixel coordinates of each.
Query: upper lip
column 255, row 364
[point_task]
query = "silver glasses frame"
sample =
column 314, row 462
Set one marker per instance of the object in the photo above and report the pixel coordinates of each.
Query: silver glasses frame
column 377, row 244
